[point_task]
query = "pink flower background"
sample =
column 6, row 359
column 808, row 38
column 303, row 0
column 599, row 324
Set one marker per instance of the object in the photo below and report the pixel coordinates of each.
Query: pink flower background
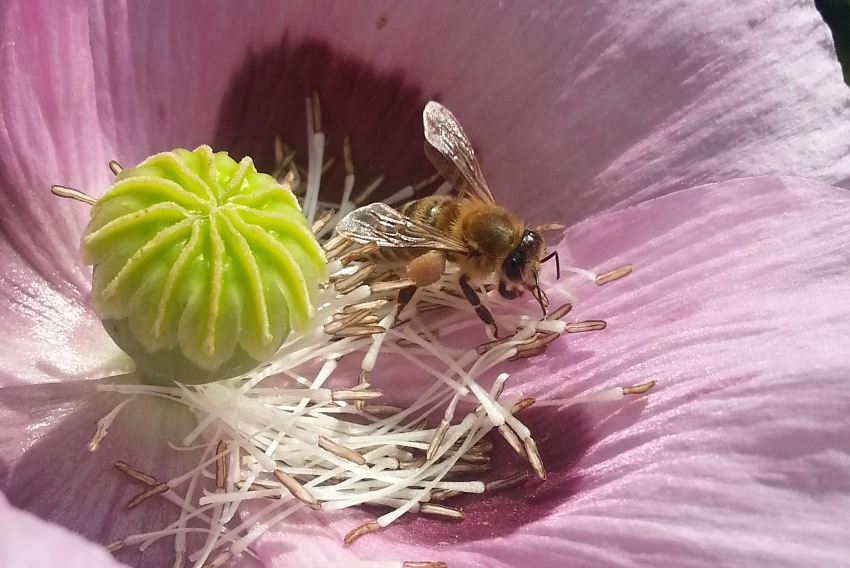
column 629, row 121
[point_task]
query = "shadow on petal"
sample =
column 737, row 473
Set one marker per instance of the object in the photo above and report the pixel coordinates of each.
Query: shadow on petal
column 380, row 112
column 58, row 479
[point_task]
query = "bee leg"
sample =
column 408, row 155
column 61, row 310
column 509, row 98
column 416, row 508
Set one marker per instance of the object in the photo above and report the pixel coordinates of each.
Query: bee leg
column 480, row 309
column 507, row 293
column 404, row 297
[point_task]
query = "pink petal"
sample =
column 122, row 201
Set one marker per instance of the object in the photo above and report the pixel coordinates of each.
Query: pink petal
column 738, row 308
column 32, row 543
column 574, row 108
column 49, row 333
column 47, row 470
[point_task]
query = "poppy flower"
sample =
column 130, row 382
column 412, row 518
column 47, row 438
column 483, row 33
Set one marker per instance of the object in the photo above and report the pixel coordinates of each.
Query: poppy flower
column 621, row 121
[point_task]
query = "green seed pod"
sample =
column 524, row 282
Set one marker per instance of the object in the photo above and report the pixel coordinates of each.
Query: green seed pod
column 202, row 266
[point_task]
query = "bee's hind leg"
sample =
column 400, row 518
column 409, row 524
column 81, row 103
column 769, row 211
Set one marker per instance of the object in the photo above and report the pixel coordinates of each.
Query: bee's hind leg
column 425, row 270
column 480, row 309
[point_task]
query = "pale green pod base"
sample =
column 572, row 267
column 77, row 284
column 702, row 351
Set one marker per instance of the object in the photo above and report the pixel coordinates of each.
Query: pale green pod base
column 168, row 365
column 202, row 265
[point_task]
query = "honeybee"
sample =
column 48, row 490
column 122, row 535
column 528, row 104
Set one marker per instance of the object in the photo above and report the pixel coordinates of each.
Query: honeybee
column 471, row 230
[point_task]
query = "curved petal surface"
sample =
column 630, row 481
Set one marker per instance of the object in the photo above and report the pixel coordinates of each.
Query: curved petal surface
column 737, row 307
column 46, row 468
column 30, row 542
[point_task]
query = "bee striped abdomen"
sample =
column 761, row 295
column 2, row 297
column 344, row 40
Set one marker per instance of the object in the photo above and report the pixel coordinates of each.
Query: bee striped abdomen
column 438, row 211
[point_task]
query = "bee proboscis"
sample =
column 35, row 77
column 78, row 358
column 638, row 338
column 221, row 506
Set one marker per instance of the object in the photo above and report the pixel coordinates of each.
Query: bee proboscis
column 469, row 229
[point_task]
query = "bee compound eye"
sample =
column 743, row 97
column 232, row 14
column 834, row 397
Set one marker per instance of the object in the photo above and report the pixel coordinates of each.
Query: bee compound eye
column 512, row 268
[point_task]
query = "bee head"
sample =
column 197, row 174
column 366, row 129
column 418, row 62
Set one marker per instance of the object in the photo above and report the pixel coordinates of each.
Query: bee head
column 522, row 265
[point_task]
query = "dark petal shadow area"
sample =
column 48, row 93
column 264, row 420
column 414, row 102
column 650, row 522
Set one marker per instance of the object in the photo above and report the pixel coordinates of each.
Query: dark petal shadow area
column 563, row 438
column 59, row 480
column 380, row 112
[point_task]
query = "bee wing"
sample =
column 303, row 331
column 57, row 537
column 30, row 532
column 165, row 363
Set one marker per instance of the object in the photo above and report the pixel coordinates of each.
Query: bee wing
column 381, row 224
column 450, row 151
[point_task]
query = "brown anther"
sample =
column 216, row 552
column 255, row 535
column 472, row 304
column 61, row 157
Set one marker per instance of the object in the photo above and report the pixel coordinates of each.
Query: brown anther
column 71, row 193
column 546, row 338
column 384, row 276
column 560, row 312
column 115, row 545
column 485, row 347
column 534, row 457
column 349, row 283
column 115, row 167
column 363, row 379
column 98, row 437
column 403, row 342
column 512, row 439
column 522, row 405
column 317, row 111
column 500, row 387
column 420, row 425
column 437, row 564
column 582, row 326
column 360, row 331
column 423, row 307
column 412, row 464
column 470, row 468
column 612, row 275
column 278, row 149
column 507, row 482
column 439, row 436
column 219, row 560
column 356, row 394
column 346, row 155
column 221, row 464
column 157, row 489
column 391, row 286
column 528, row 352
column 363, row 529
column 358, row 252
column 135, row 473
column 441, row 511
column 482, row 447
column 322, row 221
column 333, row 254
column 382, row 410
column 475, row 458
column 443, row 494
column 341, row 451
column 639, row 389
column 370, row 305
column 256, row 487
column 344, row 321
column 334, row 242
column 296, row 489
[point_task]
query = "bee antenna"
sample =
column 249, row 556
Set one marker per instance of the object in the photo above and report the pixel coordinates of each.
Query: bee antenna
column 557, row 262
column 539, row 293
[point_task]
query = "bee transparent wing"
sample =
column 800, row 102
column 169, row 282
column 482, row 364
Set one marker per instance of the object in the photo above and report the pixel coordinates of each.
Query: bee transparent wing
column 381, row 224
column 450, row 151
